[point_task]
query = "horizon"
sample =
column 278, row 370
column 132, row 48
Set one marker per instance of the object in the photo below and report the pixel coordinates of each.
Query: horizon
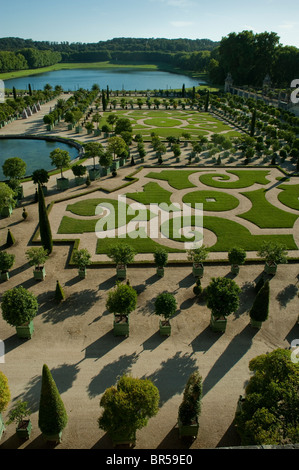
column 157, row 19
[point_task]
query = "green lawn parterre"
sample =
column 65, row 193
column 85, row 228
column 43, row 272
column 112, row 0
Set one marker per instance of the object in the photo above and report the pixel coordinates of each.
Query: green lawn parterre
column 229, row 233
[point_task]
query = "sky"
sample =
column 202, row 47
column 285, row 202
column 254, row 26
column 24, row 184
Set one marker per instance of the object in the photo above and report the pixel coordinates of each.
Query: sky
column 100, row 20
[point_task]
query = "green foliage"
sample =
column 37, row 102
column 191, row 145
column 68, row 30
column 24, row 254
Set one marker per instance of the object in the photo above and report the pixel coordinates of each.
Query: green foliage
column 82, row 258
column 273, row 252
column 6, row 261
column 161, row 257
column 40, row 176
column 37, row 256
column 128, row 406
column 197, row 289
column 237, row 256
column 10, row 239
column 19, row 306
column 18, row 413
column 44, row 224
column 121, row 254
column 4, row 392
column 7, row 196
column 79, row 170
column 198, row 255
column 122, row 300
column 60, row 159
column 14, row 168
column 269, row 413
column 52, row 416
column 222, row 296
column 59, row 294
column 190, row 407
column 165, row 305
column 106, row 159
column 260, row 308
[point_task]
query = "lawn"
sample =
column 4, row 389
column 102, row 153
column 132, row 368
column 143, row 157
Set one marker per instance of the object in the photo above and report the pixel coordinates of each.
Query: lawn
column 246, row 178
column 152, row 194
column 222, row 201
column 289, row 196
column 176, row 179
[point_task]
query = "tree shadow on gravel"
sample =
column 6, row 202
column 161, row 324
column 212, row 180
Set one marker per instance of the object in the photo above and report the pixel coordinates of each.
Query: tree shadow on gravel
column 236, row 349
column 286, row 295
column 246, row 297
column 110, row 373
column 77, row 304
column 173, row 375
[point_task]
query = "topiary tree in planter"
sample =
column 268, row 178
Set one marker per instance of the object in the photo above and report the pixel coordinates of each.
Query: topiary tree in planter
column 165, row 306
column 93, row 150
column 161, row 258
column 273, row 254
column 6, row 263
column 106, row 160
column 260, row 309
column 127, row 408
column 222, row 296
column 15, row 169
column 19, row 307
column 61, row 159
column 190, row 407
column 37, row 256
column 20, row 414
column 236, row 256
column 121, row 302
column 52, row 416
column 121, row 254
column 82, row 259
column 4, row 399
column 7, row 200
column 198, row 256
column 79, row 172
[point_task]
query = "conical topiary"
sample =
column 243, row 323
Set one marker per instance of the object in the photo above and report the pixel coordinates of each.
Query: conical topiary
column 190, row 407
column 59, row 294
column 44, row 225
column 52, row 417
column 10, row 240
column 4, row 392
column 260, row 308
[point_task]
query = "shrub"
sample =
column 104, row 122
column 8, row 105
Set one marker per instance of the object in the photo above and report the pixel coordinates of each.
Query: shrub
column 52, row 416
column 122, row 300
column 273, row 253
column 10, row 240
column 260, row 308
column 237, row 256
column 59, row 294
column 161, row 257
column 4, row 392
column 128, row 406
column 82, row 258
column 19, row 306
column 190, row 407
column 37, row 256
column 121, row 254
column 222, row 296
column 6, row 261
column 165, row 305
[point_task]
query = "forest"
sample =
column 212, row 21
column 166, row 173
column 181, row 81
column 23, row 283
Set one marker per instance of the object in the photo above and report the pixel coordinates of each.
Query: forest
column 249, row 57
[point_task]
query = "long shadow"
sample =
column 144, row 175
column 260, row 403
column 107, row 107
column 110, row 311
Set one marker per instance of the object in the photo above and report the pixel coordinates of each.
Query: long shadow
column 110, row 373
column 20, row 269
column 204, row 341
column 102, row 346
column 151, row 280
column 188, row 303
column 246, row 297
column 64, row 376
column 13, row 442
column 108, row 283
column 77, row 304
column 13, row 342
column 153, row 341
column 229, row 358
column 103, row 443
column 173, row 441
column 230, row 438
column 173, row 374
column 187, row 281
column 29, row 283
column 286, row 295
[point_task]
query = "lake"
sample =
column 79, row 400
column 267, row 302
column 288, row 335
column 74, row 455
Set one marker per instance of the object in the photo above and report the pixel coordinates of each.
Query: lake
column 116, row 78
column 36, row 153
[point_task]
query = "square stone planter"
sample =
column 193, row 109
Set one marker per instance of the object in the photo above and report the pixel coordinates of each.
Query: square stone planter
column 105, row 171
column 121, row 272
column 97, row 132
column 79, row 180
column 39, row 274
column 121, row 328
column 270, row 268
column 24, row 429
column 115, row 165
column 6, row 211
column 198, row 270
column 94, row 174
column 79, row 129
column 62, row 183
column 4, row 276
column 25, row 331
column 160, row 271
column 70, row 127
column 218, row 324
column 188, row 430
column 235, row 269
column 165, row 328
column 82, row 273
column 53, row 437
column 128, row 439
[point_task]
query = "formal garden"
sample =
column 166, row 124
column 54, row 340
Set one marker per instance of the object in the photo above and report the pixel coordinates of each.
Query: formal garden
column 115, row 335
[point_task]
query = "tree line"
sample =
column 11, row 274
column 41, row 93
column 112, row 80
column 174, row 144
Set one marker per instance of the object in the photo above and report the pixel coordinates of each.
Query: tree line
column 28, row 58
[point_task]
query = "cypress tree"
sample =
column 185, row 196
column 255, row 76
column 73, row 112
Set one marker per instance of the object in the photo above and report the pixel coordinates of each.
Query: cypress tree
column 52, row 417
column 207, row 101
column 253, row 120
column 44, row 224
column 10, row 240
column 260, row 308
column 59, row 294
column 14, row 93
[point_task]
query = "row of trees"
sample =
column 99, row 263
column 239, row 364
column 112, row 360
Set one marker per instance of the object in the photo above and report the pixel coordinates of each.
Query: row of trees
column 28, row 58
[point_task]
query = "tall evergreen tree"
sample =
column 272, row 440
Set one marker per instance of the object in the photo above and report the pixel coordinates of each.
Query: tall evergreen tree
column 52, row 417
column 260, row 308
column 253, row 120
column 44, row 224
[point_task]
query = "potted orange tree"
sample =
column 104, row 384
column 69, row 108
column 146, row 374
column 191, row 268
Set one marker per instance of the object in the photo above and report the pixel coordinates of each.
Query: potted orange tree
column 121, row 302
column 236, row 256
column 37, row 256
column 6, row 263
column 222, row 296
column 165, row 306
column 82, row 259
column 273, row 254
column 198, row 256
column 161, row 258
column 122, row 254
column 20, row 414
column 19, row 307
